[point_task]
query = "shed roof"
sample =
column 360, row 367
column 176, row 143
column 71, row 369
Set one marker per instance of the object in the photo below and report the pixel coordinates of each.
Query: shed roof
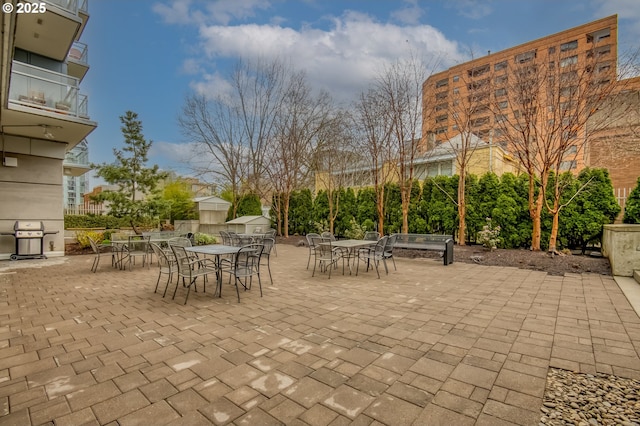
column 248, row 219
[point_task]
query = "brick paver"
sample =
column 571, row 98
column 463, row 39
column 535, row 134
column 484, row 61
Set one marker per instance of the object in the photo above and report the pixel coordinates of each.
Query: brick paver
column 427, row 344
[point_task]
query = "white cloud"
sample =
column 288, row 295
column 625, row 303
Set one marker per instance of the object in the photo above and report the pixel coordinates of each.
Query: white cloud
column 341, row 59
column 219, row 11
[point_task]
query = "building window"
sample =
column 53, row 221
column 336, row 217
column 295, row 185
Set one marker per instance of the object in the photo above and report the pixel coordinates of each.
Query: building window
column 441, row 96
column 572, row 45
column 598, row 36
column 500, row 66
column 456, row 90
column 503, row 105
column 501, row 92
column 456, row 78
column 552, row 50
column 441, row 107
column 599, row 51
column 571, row 60
column 525, row 57
column 478, row 71
column 441, row 118
column 568, row 165
column 501, row 80
column 500, row 118
column 571, row 149
column 479, row 121
column 442, row 83
column 440, row 131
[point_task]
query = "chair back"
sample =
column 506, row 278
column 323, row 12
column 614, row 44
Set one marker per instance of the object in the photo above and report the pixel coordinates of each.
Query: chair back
column 268, row 245
column 391, row 241
column 182, row 258
column 247, row 259
column 94, row 245
column 328, row 235
column 163, row 259
column 179, row 241
column 372, row 236
column 138, row 243
column 380, row 246
column 310, row 238
column 226, row 239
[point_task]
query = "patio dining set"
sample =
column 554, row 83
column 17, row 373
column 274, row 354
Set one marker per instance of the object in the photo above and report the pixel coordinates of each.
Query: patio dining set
column 326, row 252
column 239, row 256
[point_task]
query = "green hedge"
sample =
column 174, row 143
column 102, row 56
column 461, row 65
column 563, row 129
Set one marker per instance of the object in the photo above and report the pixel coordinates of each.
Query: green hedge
column 501, row 198
column 94, row 221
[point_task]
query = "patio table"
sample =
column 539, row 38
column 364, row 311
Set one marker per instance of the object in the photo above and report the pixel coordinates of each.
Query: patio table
column 216, row 250
column 350, row 246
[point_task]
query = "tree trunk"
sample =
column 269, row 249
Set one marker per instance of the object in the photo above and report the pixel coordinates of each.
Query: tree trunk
column 285, row 220
column 462, row 209
column 406, row 194
column 380, row 207
column 553, row 239
column 536, row 217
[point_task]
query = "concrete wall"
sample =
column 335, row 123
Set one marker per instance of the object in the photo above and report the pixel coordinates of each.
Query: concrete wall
column 621, row 244
column 32, row 191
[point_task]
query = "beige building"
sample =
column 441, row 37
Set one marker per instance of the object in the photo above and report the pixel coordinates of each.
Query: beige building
column 536, row 79
column 43, row 114
column 439, row 161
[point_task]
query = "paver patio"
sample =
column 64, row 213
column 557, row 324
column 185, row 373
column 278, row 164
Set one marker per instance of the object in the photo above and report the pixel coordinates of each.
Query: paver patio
column 428, row 344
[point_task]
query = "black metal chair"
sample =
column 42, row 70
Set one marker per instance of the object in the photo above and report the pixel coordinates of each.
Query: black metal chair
column 190, row 270
column 166, row 265
column 311, row 245
column 371, row 236
column 269, row 244
column 138, row 246
column 388, row 252
column 326, row 256
column 375, row 254
column 245, row 266
column 101, row 249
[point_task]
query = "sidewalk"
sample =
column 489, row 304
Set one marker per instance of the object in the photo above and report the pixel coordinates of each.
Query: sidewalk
column 462, row 344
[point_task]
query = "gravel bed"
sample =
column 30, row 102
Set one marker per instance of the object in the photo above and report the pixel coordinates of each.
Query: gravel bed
column 590, row 400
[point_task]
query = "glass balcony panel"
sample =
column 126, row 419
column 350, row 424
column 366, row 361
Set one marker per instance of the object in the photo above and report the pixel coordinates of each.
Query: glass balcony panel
column 47, row 90
column 70, row 6
column 79, row 52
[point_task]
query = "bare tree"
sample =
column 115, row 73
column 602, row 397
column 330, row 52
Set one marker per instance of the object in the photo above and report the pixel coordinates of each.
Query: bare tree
column 214, row 128
column 374, row 127
column 546, row 102
column 299, row 120
column 336, row 160
column 467, row 109
column 400, row 86
column 231, row 130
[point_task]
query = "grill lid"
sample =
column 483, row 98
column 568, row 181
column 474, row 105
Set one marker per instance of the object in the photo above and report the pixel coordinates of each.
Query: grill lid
column 23, row 225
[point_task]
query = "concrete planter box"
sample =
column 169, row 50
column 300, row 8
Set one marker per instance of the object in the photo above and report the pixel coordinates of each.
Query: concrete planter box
column 621, row 244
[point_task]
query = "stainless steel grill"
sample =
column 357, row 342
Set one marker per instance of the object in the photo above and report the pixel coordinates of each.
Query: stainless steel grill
column 29, row 237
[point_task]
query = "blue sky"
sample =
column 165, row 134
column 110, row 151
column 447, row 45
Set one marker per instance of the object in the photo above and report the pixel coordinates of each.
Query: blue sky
column 147, row 56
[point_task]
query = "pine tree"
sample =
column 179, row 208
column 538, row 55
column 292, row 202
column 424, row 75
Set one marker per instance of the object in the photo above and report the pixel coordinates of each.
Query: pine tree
column 136, row 182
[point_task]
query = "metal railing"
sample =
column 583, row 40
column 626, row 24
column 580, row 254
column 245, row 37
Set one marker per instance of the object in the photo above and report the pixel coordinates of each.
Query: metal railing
column 79, row 52
column 70, row 6
column 46, row 90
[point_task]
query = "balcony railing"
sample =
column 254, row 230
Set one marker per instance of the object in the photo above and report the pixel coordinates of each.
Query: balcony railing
column 70, row 6
column 79, row 52
column 46, row 90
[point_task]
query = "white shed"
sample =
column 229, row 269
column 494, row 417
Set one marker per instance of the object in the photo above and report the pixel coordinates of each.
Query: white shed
column 213, row 210
column 249, row 224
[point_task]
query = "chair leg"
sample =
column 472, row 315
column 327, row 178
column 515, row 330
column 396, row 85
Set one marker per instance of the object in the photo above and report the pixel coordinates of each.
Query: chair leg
column 237, row 289
column 394, row 264
column 375, row 263
column 94, row 267
column 157, row 282
column 269, row 269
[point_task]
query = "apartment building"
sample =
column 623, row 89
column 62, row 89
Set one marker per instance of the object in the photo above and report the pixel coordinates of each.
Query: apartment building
column 535, row 81
column 43, row 114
